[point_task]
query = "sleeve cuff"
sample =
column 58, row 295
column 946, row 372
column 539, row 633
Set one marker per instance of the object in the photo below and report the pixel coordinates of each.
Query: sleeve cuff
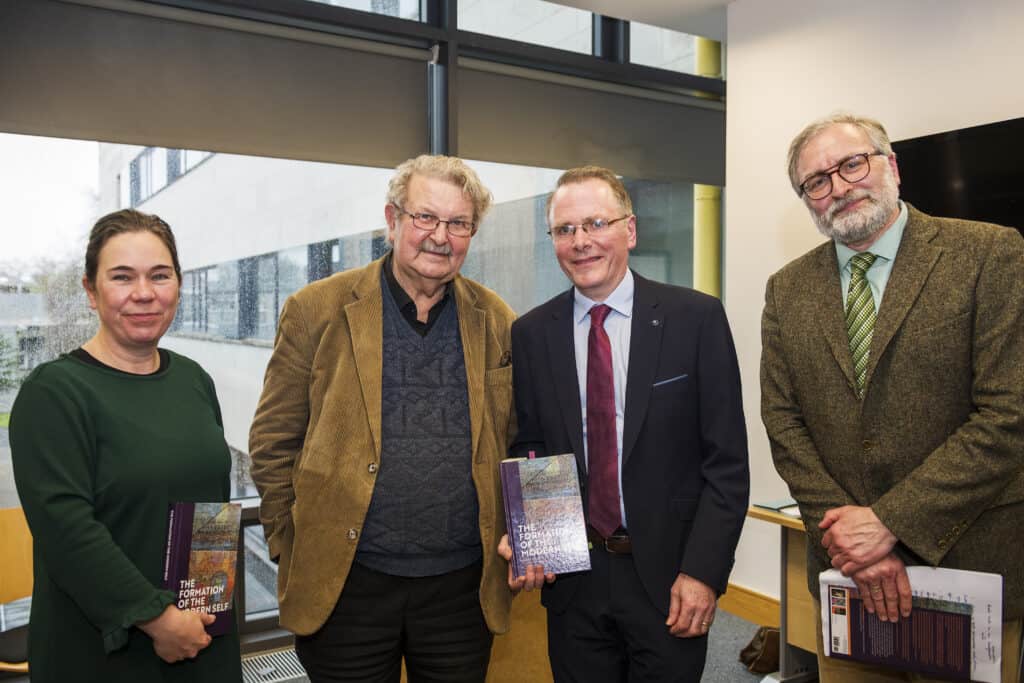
column 117, row 637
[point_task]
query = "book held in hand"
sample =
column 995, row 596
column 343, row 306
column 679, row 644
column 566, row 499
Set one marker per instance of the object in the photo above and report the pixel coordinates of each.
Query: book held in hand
column 544, row 514
column 954, row 630
column 202, row 554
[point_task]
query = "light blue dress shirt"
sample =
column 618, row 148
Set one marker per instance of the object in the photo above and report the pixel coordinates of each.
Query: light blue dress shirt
column 617, row 326
column 885, row 249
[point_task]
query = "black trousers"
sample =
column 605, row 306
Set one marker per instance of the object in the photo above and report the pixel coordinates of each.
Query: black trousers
column 611, row 632
column 434, row 622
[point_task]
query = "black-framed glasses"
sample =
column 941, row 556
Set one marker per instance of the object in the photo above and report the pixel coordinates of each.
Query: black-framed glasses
column 428, row 222
column 591, row 226
column 851, row 169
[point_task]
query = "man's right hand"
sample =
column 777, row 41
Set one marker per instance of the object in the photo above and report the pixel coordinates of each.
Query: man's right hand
column 535, row 576
column 885, row 588
column 178, row 634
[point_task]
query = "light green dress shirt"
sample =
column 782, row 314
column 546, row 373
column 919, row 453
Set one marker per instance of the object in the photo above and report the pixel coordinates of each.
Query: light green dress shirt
column 885, row 249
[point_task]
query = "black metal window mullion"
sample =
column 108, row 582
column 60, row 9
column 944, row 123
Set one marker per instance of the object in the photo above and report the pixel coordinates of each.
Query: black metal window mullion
column 611, row 39
column 442, row 129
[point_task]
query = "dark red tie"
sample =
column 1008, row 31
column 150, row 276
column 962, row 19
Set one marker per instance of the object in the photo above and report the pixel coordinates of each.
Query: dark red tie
column 602, row 447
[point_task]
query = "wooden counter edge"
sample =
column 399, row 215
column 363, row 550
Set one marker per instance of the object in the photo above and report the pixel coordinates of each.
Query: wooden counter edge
column 766, row 515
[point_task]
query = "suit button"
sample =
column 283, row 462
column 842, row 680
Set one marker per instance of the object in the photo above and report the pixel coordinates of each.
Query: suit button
column 942, row 543
column 371, row 468
column 867, row 445
column 353, row 534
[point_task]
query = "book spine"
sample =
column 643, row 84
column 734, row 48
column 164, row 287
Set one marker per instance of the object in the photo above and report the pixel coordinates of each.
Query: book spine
column 170, row 544
column 508, row 514
column 515, row 515
column 179, row 546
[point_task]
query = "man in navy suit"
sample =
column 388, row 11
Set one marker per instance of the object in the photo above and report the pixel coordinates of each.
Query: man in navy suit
column 639, row 379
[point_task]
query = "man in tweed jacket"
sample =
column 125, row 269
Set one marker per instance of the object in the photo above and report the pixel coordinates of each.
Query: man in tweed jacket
column 914, row 452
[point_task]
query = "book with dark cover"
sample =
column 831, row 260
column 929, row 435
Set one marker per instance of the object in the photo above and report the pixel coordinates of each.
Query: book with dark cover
column 935, row 640
column 544, row 514
column 202, row 554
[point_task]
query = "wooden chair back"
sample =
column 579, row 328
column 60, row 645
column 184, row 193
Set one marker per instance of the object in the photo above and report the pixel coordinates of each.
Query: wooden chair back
column 15, row 555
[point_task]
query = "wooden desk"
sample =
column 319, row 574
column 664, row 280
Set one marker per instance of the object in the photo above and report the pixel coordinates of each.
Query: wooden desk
column 797, row 642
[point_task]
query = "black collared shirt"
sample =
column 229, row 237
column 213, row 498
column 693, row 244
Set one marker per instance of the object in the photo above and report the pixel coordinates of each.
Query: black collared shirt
column 405, row 303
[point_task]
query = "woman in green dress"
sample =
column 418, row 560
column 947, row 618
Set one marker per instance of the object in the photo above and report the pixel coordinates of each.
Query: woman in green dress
column 102, row 440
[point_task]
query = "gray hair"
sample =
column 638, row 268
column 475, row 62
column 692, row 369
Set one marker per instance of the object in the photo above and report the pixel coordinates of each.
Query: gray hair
column 872, row 128
column 448, row 169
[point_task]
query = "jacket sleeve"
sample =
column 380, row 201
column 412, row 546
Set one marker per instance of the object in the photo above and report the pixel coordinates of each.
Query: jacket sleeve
column 279, row 428
column 934, row 505
column 529, row 432
column 53, row 452
column 793, row 451
column 725, row 463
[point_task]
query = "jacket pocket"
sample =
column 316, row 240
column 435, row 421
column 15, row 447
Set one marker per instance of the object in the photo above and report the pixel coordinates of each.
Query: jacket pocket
column 498, row 385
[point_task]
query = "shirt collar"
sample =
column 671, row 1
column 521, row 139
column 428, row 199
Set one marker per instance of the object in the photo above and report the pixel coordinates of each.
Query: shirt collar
column 886, row 246
column 620, row 300
column 402, row 297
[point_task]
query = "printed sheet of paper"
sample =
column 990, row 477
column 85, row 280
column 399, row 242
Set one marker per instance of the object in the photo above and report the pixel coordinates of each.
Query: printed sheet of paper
column 954, row 630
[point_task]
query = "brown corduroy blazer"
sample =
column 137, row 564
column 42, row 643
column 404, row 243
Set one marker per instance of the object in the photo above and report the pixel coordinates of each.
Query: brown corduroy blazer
column 936, row 446
column 315, row 442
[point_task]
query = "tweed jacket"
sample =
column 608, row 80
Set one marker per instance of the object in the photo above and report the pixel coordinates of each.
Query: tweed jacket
column 936, row 446
column 315, row 442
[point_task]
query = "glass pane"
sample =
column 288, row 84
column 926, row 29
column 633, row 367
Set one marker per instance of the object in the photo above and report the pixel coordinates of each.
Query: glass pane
column 250, row 232
column 246, row 228
column 268, row 306
column 260, row 574
column 403, row 9
column 530, row 21
column 159, row 163
column 293, row 271
column 222, row 298
column 667, row 49
column 48, row 198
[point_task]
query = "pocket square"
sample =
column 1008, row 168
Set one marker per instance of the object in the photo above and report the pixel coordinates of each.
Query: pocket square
column 670, row 380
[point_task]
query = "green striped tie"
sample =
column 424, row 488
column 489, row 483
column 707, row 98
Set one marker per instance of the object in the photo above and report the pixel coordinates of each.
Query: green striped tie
column 860, row 316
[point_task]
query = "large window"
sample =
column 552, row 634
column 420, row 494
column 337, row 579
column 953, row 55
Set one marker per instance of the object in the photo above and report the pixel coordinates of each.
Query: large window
column 253, row 224
column 530, row 21
column 674, row 50
column 403, row 9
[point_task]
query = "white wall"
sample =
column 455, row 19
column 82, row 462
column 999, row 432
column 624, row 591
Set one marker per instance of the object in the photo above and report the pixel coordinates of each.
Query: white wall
column 919, row 66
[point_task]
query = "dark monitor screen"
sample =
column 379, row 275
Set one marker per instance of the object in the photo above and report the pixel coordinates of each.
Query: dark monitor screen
column 975, row 173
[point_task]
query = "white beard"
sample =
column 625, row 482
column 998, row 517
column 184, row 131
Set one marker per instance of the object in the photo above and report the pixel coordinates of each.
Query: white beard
column 861, row 223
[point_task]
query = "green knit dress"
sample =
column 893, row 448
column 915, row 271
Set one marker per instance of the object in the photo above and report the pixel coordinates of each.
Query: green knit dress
column 98, row 455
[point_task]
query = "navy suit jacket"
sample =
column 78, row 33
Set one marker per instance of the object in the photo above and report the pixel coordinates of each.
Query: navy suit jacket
column 685, row 478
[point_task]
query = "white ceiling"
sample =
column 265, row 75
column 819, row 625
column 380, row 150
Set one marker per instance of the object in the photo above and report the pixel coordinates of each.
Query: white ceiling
column 700, row 17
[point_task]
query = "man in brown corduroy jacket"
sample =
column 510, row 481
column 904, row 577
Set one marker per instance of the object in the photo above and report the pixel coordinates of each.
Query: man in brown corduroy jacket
column 386, row 408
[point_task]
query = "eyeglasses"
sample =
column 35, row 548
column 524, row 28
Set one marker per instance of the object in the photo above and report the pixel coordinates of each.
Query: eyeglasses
column 428, row 222
column 591, row 226
column 851, row 169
